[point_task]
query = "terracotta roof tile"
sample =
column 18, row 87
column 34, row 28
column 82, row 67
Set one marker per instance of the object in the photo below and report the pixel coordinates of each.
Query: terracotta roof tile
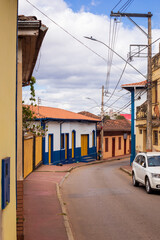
column 143, row 83
column 116, row 125
column 88, row 114
column 57, row 113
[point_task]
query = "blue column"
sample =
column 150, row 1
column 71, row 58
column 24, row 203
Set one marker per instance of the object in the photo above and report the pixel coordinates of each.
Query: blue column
column 133, row 152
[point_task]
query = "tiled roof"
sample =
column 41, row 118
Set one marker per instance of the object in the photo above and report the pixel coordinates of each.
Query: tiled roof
column 57, row 113
column 88, row 114
column 143, row 83
column 26, row 18
column 116, row 125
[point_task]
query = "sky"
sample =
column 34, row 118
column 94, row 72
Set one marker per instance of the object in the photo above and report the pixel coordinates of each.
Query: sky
column 71, row 69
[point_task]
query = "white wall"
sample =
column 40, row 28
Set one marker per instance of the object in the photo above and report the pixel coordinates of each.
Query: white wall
column 68, row 127
column 80, row 128
column 53, row 128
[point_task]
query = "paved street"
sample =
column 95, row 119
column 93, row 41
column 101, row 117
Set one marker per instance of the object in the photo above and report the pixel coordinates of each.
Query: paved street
column 103, row 205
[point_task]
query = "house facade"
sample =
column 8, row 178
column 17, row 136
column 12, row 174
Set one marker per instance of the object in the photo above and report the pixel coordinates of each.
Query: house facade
column 71, row 137
column 141, row 115
column 8, row 41
column 138, row 97
column 116, row 139
column 31, row 33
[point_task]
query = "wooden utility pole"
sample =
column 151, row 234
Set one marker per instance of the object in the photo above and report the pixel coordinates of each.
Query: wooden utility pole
column 149, row 89
column 149, row 70
column 102, row 121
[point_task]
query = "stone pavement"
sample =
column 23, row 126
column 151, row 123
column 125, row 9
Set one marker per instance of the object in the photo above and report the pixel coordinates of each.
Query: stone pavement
column 44, row 216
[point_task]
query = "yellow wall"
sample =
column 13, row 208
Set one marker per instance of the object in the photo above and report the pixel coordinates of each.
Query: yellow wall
column 38, row 153
column 28, row 156
column 8, row 25
column 118, row 152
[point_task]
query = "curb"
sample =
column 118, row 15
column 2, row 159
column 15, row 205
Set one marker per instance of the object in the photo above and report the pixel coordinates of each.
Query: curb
column 126, row 171
column 64, row 212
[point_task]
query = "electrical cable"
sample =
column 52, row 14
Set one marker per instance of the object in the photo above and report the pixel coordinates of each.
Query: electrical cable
column 66, row 30
column 125, row 68
column 116, row 5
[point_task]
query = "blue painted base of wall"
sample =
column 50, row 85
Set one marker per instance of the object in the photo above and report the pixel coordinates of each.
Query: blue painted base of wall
column 58, row 157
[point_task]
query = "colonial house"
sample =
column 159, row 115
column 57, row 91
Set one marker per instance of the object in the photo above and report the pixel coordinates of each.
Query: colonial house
column 138, row 97
column 116, row 139
column 8, row 25
column 31, row 33
column 71, row 137
column 141, row 115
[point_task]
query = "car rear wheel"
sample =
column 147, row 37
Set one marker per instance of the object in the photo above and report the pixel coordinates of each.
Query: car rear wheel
column 148, row 186
column 134, row 181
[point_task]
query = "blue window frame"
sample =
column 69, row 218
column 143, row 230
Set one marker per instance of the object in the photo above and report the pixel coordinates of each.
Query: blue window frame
column 5, row 182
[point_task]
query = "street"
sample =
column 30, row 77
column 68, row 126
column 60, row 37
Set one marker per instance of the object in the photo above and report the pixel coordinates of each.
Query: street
column 102, row 204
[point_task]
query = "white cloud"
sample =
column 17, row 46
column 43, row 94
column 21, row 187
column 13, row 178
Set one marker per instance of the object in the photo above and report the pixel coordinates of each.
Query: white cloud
column 68, row 72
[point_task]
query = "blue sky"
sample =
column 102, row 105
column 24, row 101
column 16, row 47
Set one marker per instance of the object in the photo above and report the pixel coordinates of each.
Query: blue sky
column 67, row 72
column 103, row 7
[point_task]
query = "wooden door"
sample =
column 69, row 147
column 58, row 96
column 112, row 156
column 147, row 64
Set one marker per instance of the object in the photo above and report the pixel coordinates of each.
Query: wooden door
column 84, row 145
column 124, row 146
column 113, row 147
column 49, row 148
column 73, row 144
column 66, row 146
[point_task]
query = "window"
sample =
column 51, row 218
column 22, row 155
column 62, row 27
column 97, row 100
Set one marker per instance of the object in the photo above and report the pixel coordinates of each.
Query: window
column 140, row 131
column 62, row 140
column 155, row 92
column 119, row 143
column 5, row 182
column 155, row 137
column 106, row 144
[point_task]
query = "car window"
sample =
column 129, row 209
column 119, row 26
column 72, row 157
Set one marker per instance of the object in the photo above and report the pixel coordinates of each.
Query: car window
column 153, row 161
column 137, row 159
column 142, row 160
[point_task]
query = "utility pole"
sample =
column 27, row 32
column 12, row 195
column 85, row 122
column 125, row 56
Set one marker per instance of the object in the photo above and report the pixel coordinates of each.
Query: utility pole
column 149, row 89
column 102, row 121
column 149, row 70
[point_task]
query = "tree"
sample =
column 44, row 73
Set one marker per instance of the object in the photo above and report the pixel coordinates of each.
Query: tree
column 28, row 116
column 120, row 117
column 106, row 117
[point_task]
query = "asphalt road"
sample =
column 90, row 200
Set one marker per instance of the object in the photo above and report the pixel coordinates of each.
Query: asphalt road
column 102, row 204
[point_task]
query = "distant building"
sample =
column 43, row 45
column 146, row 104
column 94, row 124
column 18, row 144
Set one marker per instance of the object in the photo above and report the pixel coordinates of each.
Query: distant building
column 117, row 138
column 126, row 116
column 71, row 137
column 138, row 97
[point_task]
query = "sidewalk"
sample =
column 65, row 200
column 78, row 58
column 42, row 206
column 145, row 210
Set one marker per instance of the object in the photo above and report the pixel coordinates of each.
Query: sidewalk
column 127, row 169
column 43, row 216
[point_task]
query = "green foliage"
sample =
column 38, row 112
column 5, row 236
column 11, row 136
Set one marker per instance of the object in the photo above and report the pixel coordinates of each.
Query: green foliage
column 120, row 117
column 28, row 115
column 106, row 117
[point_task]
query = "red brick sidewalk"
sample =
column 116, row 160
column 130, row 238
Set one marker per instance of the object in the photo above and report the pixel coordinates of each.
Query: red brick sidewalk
column 43, row 218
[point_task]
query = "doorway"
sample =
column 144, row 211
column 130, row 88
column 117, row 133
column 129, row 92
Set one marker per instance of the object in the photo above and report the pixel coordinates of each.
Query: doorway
column 113, row 147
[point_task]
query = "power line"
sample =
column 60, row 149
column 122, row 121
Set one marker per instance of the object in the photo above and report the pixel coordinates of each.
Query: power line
column 66, row 31
column 116, row 5
column 125, row 68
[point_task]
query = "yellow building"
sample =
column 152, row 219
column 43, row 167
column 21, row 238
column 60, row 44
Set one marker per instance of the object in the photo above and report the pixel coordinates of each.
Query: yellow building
column 8, row 26
column 141, row 112
column 31, row 33
column 117, row 138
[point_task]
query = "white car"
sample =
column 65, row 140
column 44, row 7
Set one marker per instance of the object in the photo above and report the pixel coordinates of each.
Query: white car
column 146, row 170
